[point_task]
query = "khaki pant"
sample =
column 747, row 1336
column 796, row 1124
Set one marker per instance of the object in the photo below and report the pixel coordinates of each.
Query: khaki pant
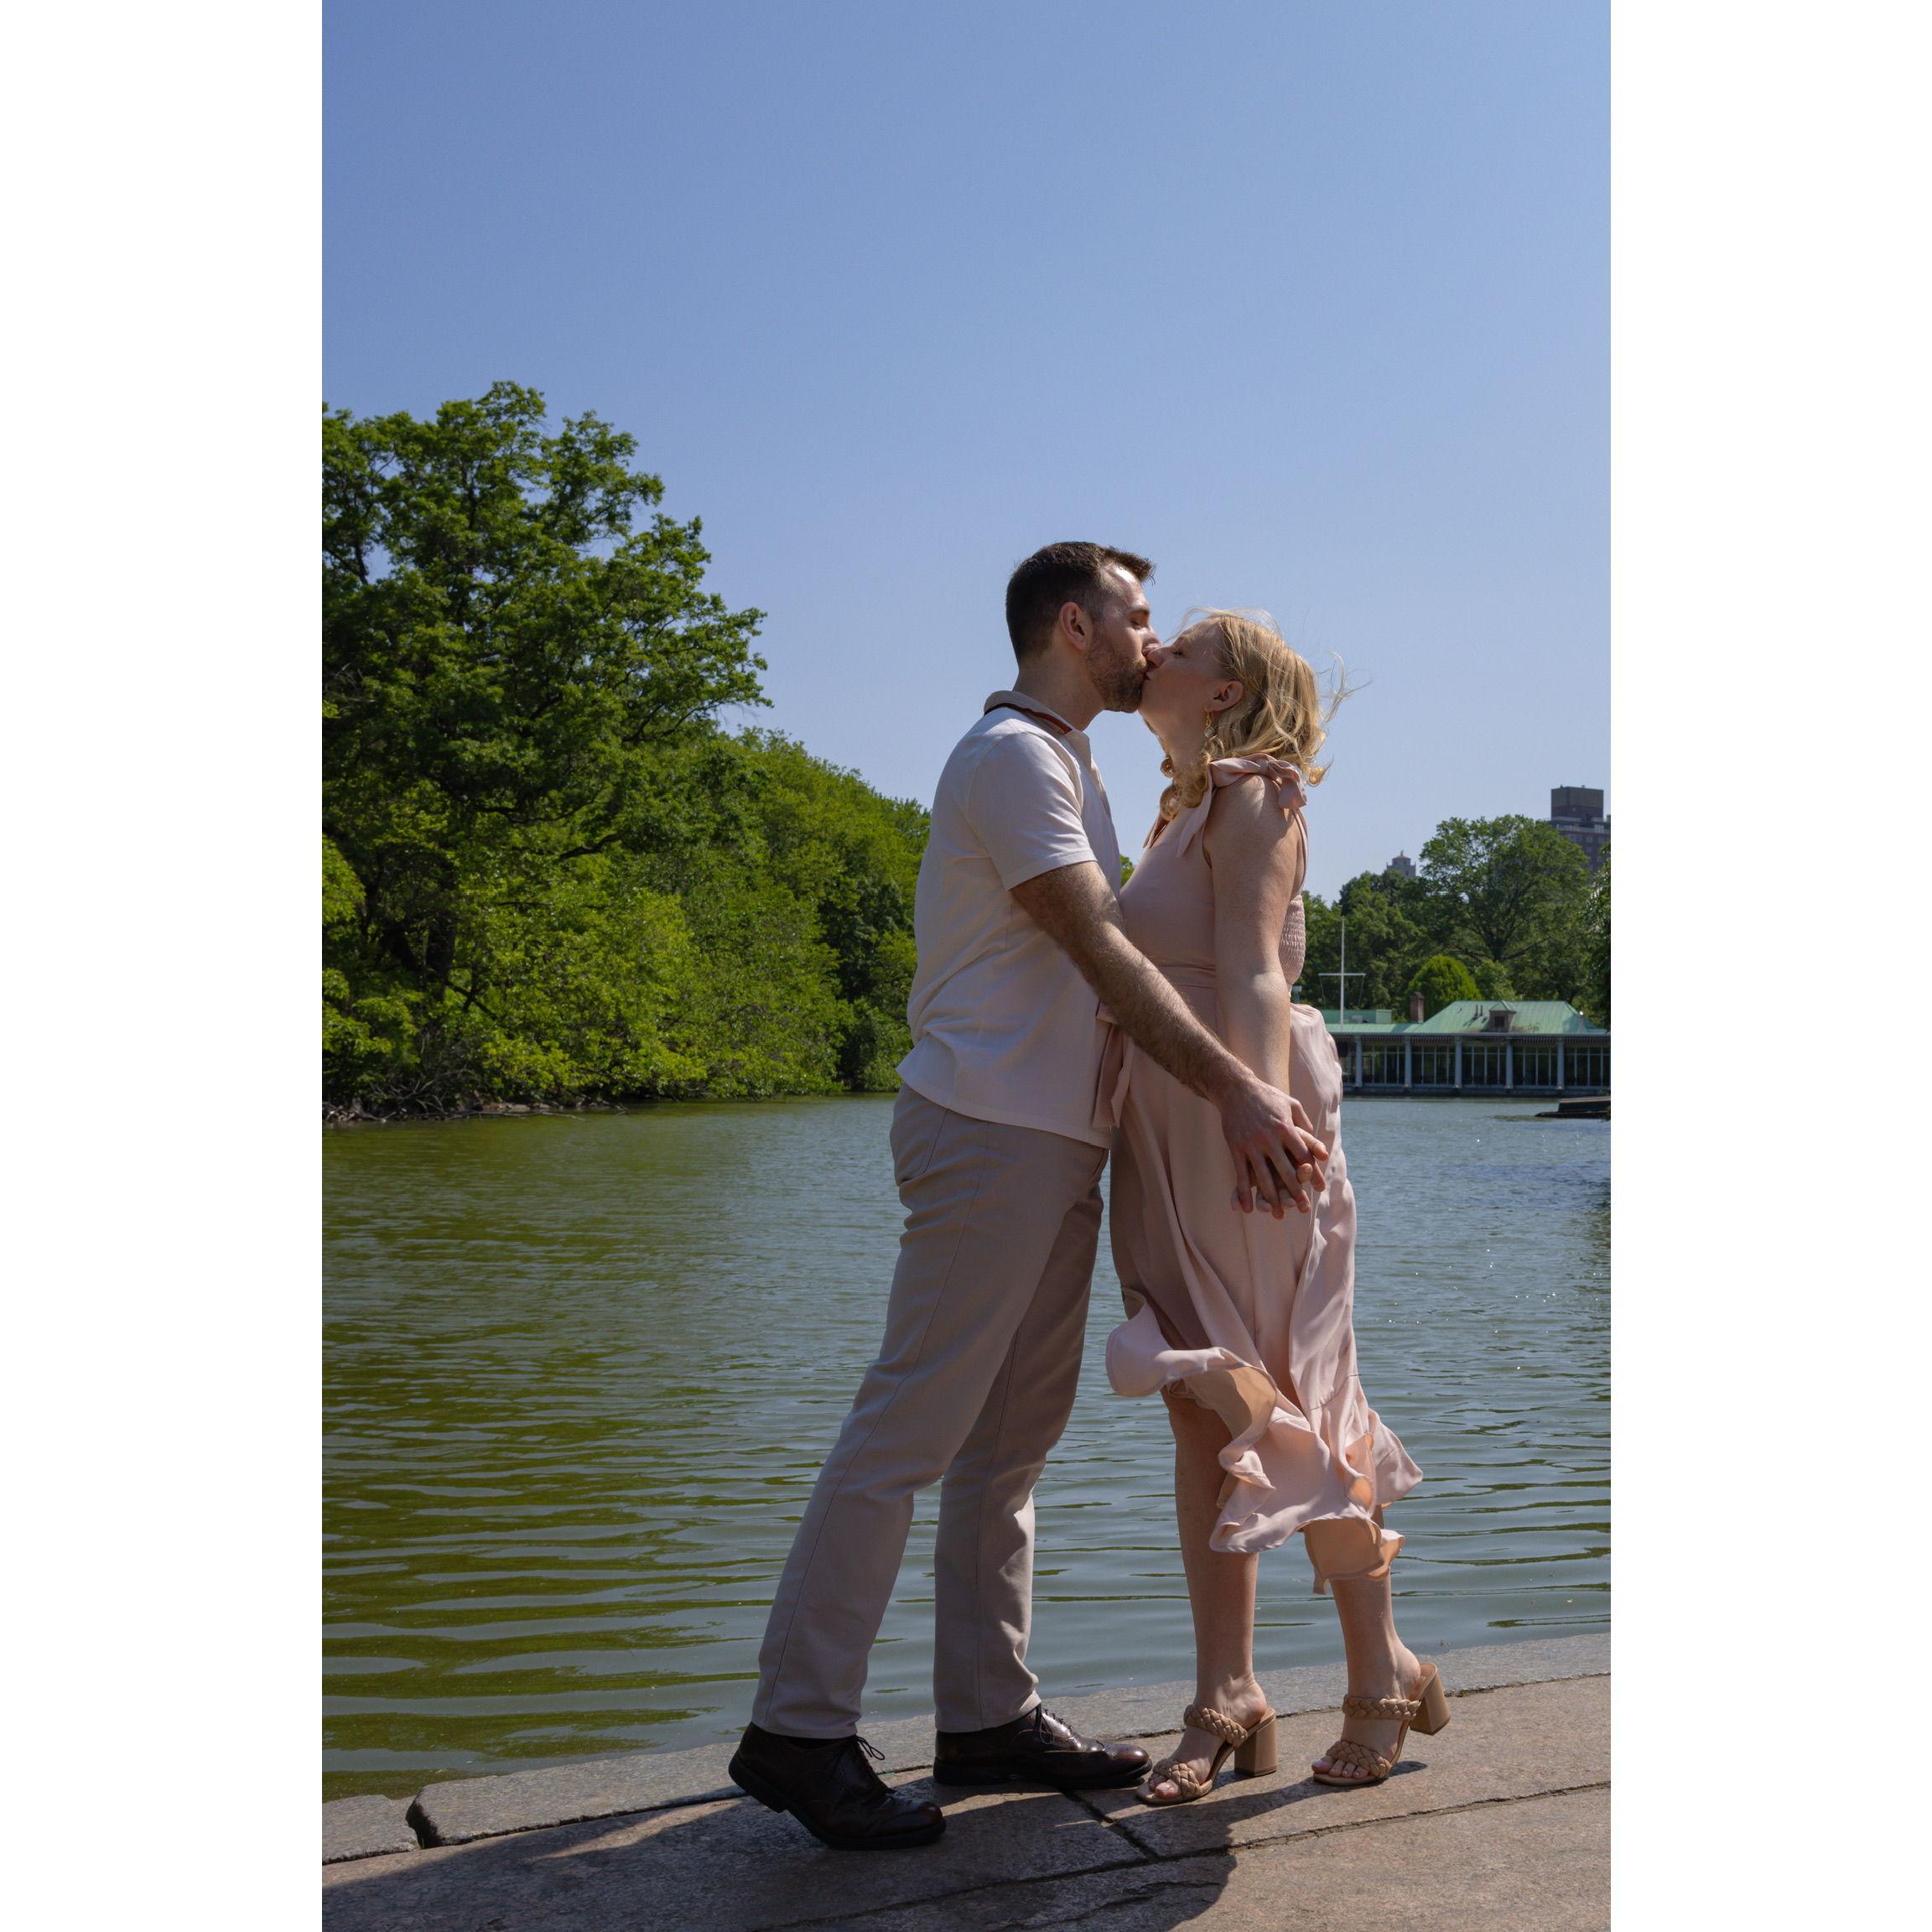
column 973, row 1385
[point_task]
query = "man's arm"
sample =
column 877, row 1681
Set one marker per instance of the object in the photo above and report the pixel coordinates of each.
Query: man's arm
column 1275, row 1156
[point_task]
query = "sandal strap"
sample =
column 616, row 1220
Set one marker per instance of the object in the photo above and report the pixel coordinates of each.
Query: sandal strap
column 1215, row 1723
column 1359, row 1758
column 1174, row 1771
column 1404, row 1708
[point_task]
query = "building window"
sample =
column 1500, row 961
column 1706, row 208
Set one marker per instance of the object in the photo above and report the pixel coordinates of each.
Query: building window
column 1587, row 1065
column 1381, row 1063
column 1482, row 1062
column 1536, row 1064
column 1432, row 1063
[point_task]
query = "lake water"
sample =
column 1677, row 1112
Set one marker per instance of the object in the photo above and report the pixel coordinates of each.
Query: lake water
column 580, row 1371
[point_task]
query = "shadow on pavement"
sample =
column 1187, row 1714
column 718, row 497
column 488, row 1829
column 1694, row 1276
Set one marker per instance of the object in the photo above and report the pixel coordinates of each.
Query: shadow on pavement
column 735, row 1866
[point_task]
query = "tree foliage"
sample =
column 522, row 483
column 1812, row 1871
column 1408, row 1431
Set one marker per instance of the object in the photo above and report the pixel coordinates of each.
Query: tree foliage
column 1386, row 925
column 1512, row 891
column 548, row 871
column 1442, row 979
column 1596, row 995
column 1508, row 900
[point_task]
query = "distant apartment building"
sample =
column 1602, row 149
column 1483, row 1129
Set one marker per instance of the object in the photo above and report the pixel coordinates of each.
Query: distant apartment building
column 1576, row 810
column 1401, row 863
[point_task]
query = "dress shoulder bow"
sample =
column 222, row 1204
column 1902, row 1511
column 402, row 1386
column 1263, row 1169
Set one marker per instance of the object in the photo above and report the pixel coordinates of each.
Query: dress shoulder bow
column 1291, row 794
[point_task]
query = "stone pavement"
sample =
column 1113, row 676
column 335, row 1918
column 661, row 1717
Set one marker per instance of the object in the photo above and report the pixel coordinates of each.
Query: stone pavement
column 1500, row 1821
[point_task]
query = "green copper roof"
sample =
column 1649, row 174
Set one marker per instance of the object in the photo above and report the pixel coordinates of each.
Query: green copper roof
column 1530, row 1018
column 1527, row 1016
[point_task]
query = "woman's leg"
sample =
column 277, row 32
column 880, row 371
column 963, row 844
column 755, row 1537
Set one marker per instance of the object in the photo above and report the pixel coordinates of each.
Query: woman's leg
column 1379, row 1663
column 1220, row 1587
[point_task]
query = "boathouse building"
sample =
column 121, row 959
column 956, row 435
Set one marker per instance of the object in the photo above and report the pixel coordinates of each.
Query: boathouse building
column 1533, row 1046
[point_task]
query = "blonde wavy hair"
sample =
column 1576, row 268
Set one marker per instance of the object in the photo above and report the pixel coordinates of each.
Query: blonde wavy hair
column 1281, row 712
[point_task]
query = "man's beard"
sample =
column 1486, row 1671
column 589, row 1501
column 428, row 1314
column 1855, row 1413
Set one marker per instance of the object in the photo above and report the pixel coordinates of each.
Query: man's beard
column 1119, row 682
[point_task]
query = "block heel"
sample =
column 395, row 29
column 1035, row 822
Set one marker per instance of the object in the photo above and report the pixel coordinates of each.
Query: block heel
column 1434, row 1711
column 1257, row 1756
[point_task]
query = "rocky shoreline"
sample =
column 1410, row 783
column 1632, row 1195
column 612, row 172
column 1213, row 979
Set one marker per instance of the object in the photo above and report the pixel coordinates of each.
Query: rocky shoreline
column 354, row 1113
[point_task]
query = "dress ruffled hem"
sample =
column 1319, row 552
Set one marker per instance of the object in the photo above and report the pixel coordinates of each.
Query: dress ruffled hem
column 1283, row 1472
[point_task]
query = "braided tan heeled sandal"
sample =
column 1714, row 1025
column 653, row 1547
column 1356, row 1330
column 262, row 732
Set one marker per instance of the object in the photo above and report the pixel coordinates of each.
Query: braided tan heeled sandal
column 1254, row 1749
column 1427, row 1711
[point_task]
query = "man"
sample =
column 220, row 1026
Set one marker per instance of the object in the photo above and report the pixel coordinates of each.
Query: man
column 997, row 1141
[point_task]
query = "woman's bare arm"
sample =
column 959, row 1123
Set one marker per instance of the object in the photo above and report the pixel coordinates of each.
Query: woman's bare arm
column 1255, row 851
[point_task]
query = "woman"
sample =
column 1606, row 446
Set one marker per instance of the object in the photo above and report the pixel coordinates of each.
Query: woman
column 1243, row 1321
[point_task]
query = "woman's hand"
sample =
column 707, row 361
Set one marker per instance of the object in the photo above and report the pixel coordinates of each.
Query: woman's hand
column 1277, row 1158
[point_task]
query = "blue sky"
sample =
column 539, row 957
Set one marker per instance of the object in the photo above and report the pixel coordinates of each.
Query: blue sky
column 1310, row 303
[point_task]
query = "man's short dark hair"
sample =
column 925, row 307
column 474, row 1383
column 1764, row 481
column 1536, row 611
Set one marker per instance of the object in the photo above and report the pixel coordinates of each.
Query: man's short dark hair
column 1061, row 573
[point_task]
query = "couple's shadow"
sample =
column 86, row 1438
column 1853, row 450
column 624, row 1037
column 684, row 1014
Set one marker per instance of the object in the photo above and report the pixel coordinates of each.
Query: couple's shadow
column 1008, row 1856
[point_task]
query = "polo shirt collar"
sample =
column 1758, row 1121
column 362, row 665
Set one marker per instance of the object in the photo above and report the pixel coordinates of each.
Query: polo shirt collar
column 1016, row 701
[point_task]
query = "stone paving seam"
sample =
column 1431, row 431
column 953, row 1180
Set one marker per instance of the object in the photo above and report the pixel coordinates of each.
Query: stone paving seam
column 426, row 1840
column 1250, row 1845
column 1030, row 1923
column 1231, row 1855
column 1490, row 1690
column 963, row 1891
column 1085, row 1800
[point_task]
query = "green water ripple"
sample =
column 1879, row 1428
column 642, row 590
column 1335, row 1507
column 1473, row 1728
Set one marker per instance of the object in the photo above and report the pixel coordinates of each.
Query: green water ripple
column 580, row 1372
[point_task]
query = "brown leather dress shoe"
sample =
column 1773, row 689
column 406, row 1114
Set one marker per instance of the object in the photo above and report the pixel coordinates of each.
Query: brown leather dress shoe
column 1036, row 1749
column 828, row 1786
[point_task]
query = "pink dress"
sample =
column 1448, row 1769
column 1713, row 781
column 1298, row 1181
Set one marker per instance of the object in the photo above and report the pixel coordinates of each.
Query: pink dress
column 1250, row 1315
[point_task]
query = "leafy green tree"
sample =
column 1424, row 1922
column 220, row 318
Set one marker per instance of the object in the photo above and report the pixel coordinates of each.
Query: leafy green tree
column 855, row 856
column 1596, row 979
column 548, row 872
column 1502, row 910
column 1493, row 980
column 1385, row 938
column 502, row 653
column 1441, row 979
column 764, row 1014
column 1513, row 891
column 1387, row 934
column 1324, row 929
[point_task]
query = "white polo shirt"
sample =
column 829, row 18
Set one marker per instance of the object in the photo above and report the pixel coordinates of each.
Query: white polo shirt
column 1004, row 1027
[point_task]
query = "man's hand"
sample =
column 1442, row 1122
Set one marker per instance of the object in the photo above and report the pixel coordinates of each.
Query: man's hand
column 1277, row 1158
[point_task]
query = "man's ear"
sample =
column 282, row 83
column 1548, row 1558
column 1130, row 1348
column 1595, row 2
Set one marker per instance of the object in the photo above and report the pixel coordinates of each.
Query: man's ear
column 1073, row 622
